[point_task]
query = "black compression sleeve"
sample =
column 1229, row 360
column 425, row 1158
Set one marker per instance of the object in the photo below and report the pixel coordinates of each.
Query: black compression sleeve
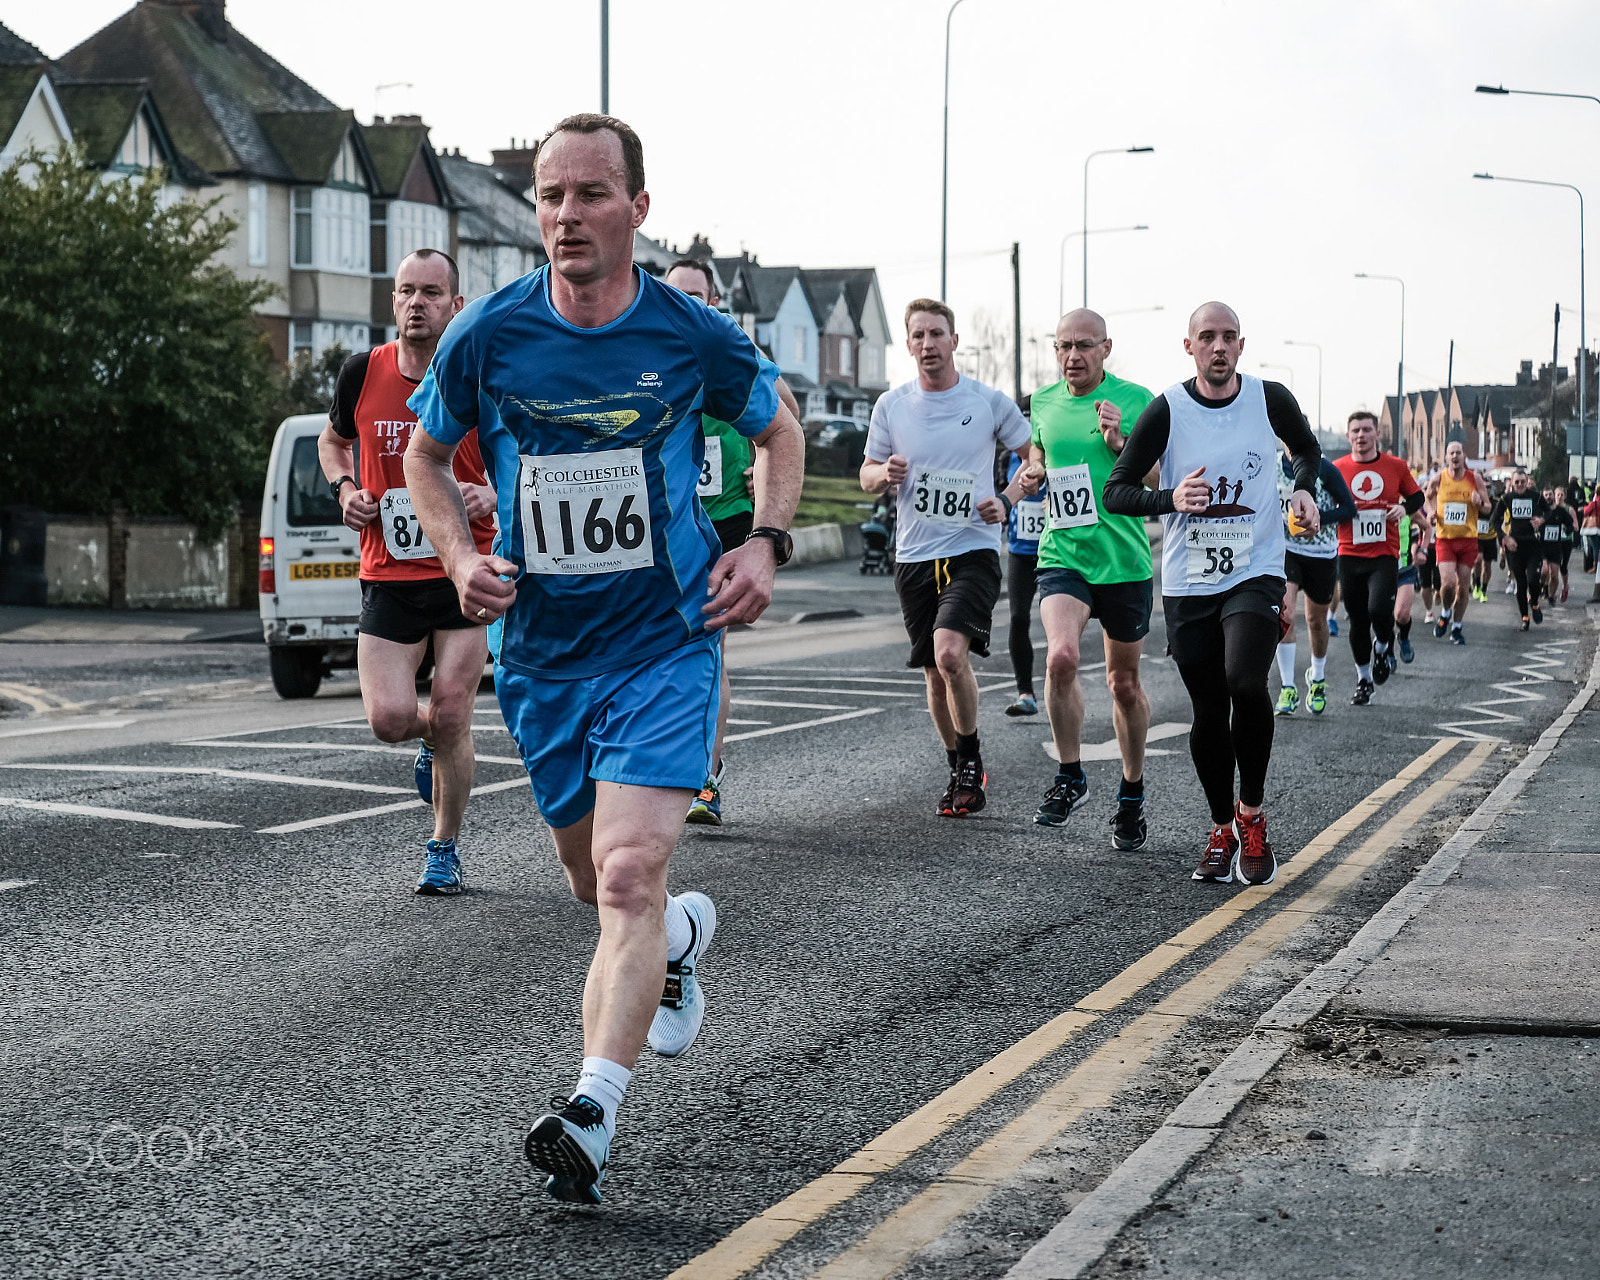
column 346, row 392
column 1290, row 426
column 1412, row 502
column 1344, row 502
column 1125, row 494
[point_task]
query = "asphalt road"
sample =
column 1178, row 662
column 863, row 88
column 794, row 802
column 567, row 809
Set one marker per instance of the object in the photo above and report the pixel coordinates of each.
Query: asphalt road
column 235, row 1043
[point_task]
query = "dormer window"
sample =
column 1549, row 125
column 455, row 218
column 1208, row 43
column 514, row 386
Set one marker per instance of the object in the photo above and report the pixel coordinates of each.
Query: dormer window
column 346, row 170
column 138, row 151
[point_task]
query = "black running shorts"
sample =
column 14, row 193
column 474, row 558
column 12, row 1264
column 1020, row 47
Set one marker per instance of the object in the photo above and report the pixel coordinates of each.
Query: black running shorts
column 1317, row 578
column 954, row 594
column 1123, row 608
column 735, row 530
column 1193, row 622
column 410, row 612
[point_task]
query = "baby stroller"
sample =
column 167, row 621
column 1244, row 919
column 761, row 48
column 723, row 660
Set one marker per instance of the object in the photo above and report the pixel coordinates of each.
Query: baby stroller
column 877, row 538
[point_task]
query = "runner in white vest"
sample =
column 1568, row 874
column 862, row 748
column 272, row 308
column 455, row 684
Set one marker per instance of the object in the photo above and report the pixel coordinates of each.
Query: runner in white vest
column 1216, row 438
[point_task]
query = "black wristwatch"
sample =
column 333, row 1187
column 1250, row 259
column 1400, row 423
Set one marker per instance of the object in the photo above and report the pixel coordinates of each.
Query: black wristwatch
column 782, row 543
column 339, row 484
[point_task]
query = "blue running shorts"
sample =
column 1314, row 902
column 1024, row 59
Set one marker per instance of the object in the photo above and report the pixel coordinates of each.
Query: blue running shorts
column 653, row 725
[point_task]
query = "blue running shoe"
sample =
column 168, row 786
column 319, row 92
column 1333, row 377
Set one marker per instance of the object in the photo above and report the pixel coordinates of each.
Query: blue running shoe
column 571, row 1145
column 443, row 872
column 424, row 769
column 683, row 1002
column 706, row 808
column 1406, row 651
column 1333, row 625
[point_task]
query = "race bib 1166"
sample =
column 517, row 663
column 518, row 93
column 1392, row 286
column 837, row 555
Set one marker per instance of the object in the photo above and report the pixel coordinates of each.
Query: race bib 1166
column 402, row 531
column 585, row 512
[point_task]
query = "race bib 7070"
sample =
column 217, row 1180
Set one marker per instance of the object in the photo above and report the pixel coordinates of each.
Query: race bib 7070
column 585, row 512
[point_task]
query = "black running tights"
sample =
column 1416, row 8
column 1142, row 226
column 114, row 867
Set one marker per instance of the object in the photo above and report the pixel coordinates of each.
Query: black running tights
column 1527, row 568
column 1370, row 586
column 1233, row 712
column 1021, row 582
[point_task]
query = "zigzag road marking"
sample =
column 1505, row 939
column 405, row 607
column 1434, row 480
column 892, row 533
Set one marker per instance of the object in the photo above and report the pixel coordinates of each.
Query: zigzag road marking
column 1533, row 667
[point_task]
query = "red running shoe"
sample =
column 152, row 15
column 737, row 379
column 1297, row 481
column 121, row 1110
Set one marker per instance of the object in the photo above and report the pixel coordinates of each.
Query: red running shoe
column 1257, row 864
column 1218, row 862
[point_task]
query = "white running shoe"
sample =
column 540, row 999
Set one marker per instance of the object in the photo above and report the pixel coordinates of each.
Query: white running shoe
column 683, row 1002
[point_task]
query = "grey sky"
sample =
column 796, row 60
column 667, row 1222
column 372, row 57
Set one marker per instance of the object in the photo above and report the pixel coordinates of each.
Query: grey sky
column 1296, row 144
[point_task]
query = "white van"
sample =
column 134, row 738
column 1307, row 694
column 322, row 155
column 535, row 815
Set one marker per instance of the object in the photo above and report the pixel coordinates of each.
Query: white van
column 310, row 565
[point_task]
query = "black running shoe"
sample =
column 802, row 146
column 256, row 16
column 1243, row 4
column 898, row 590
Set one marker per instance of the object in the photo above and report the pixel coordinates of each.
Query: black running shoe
column 1538, row 613
column 966, row 789
column 1059, row 801
column 1524, row 625
column 1363, row 693
column 1127, row 823
column 1382, row 665
column 947, row 797
column 1440, row 627
column 1456, row 637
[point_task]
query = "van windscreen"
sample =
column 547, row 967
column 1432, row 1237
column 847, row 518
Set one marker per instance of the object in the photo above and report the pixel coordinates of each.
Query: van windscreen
column 309, row 501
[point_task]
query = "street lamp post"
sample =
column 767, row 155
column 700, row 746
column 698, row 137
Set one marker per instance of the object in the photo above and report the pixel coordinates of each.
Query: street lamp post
column 1290, row 342
column 1400, row 393
column 944, row 185
column 1289, row 368
column 1583, row 330
column 1112, row 152
column 1061, row 270
column 605, row 57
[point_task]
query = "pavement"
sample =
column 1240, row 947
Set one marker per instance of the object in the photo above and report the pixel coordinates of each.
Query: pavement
column 235, row 1043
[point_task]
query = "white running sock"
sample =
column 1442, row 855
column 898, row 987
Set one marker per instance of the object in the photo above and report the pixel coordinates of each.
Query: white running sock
column 1378, row 646
column 680, row 933
column 1319, row 667
column 605, row 1082
column 1444, row 615
column 1286, row 662
column 1364, row 670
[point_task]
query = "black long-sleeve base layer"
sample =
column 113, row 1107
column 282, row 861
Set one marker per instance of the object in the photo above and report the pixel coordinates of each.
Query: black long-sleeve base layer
column 1021, row 583
column 1233, row 720
column 1370, row 584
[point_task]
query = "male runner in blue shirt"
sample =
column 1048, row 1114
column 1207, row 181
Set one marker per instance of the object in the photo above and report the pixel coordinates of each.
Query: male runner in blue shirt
column 586, row 381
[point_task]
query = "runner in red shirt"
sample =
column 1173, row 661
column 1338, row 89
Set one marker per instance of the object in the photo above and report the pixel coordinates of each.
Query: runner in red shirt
column 1369, row 549
column 406, row 597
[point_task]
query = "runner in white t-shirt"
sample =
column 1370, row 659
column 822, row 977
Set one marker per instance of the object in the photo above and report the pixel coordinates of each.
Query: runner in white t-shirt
column 935, row 437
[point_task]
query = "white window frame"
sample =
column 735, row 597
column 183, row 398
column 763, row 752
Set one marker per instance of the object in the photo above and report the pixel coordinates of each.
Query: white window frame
column 412, row 226
column 256, row 223
column 846, row 364
column 799, row 345
column 302, row 229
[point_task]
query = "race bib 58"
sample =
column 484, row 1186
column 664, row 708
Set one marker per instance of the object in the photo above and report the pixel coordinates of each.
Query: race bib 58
column 1216, row 551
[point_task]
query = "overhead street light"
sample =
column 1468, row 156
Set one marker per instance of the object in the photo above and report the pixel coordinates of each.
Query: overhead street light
column 1131, row 151
column 1289, row 368
column 1290, row 342
column 1061, row 270
column 1400, row 394
column 944, row 185
column 1583, row 331
column 1502, row 91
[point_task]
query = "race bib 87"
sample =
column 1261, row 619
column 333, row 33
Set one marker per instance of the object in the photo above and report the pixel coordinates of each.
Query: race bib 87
column 585, row 512
column 402, row 531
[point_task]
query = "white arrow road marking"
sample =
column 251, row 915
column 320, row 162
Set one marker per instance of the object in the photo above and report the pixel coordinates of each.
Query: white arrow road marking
column 1110, row 750
column 121, row 815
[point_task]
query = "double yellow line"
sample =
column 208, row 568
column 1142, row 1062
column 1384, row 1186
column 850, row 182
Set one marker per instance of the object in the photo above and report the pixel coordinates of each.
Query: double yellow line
column 1093, row 1083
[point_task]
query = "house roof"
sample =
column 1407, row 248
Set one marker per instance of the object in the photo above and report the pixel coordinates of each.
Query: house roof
column 308, row 142
column 16, row 88
column 393, row 149
column 856, row 283
column 491, row 211
column 17, row 52
column 213, row 85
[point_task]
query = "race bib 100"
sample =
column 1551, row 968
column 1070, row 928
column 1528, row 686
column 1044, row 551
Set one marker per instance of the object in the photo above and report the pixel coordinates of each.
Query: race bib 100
column 944, row 497
column 1370, row 525
column 710, row 485
column 585, row 512
column 402, row 531
column 1454, row 513
column 1215, row 551
column 1071, row 498
column 1031, row 520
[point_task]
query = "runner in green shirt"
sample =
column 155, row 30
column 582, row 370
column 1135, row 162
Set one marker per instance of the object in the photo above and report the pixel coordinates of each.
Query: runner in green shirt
column 724, row 491
column 1091, row 565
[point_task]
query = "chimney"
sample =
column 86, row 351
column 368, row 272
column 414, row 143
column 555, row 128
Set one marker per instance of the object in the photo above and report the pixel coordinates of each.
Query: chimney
column 1525, row 374
column 411, row 120
column 516, row 163
column 209, row 15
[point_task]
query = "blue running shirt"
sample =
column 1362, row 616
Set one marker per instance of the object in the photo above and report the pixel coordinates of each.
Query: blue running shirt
column 592, row 440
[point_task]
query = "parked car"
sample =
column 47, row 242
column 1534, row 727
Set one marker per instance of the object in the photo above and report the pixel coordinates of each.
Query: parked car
column 824, row 432
column 310, row 565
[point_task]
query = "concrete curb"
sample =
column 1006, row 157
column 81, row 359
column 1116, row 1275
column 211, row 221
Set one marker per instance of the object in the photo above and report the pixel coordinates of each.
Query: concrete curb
column 1081, row 1239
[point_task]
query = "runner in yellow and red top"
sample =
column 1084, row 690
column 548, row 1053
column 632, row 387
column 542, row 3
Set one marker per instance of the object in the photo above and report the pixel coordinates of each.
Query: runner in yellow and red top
column 406, row 597
column 1458, row 496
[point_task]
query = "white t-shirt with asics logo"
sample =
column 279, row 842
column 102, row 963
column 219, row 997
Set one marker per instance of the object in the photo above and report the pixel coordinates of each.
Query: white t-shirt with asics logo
column 948, row 438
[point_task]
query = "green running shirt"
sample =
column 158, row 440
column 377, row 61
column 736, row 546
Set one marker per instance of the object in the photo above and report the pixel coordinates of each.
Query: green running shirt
column 1067, row 427
column 736, row 458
